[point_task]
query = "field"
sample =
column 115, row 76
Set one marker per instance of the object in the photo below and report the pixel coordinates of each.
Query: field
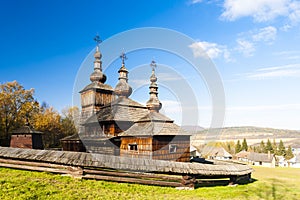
column 278, row 183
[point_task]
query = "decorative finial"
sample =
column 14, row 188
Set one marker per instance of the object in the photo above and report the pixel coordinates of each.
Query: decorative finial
column 97, row 39
column 153, row 65
column 153, row 104
column 97, row 75
column 123, row 89
column 123, row 57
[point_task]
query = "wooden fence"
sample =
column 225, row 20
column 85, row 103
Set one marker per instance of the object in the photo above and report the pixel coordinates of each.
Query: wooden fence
column 120, row 169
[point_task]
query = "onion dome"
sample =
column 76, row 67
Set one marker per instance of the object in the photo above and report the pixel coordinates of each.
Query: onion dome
column 153, row 104
column 98, row 75
column 123, row 89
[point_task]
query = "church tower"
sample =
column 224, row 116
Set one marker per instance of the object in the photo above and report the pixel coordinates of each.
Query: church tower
column 153, row 104
column 122, row 88
column 96, row 94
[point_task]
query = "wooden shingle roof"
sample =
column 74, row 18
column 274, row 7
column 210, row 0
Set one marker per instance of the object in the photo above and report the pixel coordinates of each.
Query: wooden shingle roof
column 215, row 151
column 260, row 157
column 97, row 86
column 242, row 154
column 124, row 163
column 25, row 130
column 122, row 109
column 154, row 124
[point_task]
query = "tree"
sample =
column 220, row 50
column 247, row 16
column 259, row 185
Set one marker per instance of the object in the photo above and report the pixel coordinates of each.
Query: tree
column 48, row 121
column 16, row 105
column 281, row 149
column 289, row 153
column 275, row 148
column 262, row 147
column 269, row 147
column 70, row 121
column 244, row 145
column 238, row 147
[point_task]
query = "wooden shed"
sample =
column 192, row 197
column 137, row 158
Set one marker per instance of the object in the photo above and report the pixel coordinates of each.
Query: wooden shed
column 26, row 137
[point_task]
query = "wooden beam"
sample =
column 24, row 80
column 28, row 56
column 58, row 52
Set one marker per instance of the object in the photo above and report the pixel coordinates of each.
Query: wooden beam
column 131, row 174
column 33, row 168
column 132, row 180
column 30, row 163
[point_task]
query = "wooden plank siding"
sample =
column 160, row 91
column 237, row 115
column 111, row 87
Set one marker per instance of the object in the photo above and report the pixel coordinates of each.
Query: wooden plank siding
column 161, row 148
column 144, row 147
column 21, row 141
column 157, row 147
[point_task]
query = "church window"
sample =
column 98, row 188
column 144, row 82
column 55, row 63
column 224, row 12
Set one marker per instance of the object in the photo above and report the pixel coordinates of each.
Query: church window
column 132, row 147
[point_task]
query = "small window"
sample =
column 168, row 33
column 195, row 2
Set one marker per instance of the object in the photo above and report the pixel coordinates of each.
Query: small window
column 172, row 148
column 132, row 147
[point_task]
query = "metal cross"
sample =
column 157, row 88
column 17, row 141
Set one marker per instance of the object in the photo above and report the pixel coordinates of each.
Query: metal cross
column 123, row 57
column 97, row 39
column 153, row 65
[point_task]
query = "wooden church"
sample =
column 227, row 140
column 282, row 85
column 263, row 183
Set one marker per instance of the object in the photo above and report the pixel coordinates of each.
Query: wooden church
column 114, row 124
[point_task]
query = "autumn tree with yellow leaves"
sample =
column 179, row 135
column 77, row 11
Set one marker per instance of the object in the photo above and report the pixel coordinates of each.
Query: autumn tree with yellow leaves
column 17, row 105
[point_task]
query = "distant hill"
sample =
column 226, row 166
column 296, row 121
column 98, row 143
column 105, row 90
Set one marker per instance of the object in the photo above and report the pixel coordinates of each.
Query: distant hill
column 253, row 135
column 193, row 129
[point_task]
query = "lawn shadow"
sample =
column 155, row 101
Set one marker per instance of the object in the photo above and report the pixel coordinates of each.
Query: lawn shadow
column 220, row 182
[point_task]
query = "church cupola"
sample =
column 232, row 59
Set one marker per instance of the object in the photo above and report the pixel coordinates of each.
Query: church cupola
column 97, row 75
column 123, row 89
column 153, row 104
column 97, row 93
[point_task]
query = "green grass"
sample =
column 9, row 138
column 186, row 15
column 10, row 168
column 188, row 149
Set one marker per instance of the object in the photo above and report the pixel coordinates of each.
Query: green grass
column 279, row 183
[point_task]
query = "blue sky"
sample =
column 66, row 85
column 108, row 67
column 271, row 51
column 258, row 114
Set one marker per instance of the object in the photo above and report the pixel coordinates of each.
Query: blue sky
column 254, row 44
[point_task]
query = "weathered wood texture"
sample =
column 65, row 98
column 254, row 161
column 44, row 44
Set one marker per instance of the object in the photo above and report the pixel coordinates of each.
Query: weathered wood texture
column 21, row 141
column 82, row 159
column 112, row 168
column 157, row 147
column 73, row 145
column 27, row 140
column 143, row 149
column 162, row 145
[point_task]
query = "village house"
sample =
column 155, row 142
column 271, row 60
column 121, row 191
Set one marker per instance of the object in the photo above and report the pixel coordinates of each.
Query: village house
column 194, row 152
column 114, row 124
column 295, row 161
column 216, row 153
column 262, row 159
column 242, row 156
column 281, row 161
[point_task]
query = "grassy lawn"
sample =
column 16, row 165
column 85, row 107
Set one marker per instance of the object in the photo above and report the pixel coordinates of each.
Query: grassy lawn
column 278, row 183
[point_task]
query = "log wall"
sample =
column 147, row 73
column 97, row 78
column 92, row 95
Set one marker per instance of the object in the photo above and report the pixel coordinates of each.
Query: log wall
column 162, row 148
column 144, row 147
column 21, row 141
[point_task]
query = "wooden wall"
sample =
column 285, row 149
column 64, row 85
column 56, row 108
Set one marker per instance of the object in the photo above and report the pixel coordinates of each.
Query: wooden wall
column 105, row 146
column 144, row 147
column 73, row 145
column 157, row 147
column 29, row 141
column 92, row 101
column 21, row 141
column 161, row 148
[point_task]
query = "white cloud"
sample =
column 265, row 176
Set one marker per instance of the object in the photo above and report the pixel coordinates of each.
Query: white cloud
column 210, row 50
column 288, row 55
column 196, row 1
column 247, row 41
column 274, row 72
column 245, row 47
column 260, row 10
column 267, row 34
